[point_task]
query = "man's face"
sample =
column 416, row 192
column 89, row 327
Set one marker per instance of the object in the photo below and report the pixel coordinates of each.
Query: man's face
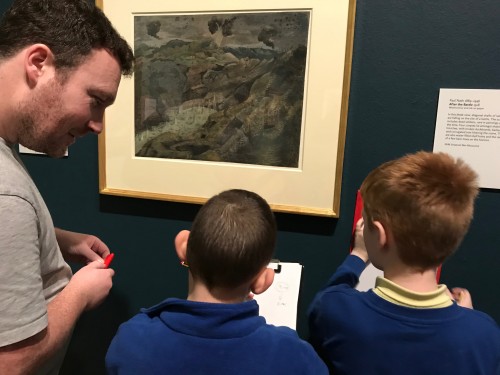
column 59, row 111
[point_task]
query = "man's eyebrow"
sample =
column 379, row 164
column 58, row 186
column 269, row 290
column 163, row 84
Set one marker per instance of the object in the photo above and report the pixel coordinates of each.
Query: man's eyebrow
column 102, row 95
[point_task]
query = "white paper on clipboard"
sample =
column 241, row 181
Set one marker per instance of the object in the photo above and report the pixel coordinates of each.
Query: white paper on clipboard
column 279, row 303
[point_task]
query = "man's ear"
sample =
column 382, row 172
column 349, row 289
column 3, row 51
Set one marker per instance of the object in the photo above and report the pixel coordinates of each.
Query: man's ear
column 382, row 234
column 263, row 281
column 38, row 59
column 180, row 243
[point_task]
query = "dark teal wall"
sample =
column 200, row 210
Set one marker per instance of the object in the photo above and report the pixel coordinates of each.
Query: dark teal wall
column 404, row 51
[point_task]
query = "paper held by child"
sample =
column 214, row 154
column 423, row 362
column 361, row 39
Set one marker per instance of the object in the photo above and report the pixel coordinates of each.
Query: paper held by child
column 278, row 304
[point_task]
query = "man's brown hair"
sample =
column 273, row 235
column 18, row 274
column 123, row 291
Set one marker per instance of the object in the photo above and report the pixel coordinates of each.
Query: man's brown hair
column 72, row 29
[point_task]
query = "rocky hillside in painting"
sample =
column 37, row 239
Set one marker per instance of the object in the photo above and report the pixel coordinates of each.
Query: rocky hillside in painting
column 198, row 101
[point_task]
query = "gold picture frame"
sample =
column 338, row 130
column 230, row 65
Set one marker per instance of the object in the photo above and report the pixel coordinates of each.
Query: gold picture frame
column 312, row 186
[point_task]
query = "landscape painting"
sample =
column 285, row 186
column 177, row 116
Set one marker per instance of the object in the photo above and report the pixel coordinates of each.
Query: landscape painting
column 231, row 95
column 221, row 87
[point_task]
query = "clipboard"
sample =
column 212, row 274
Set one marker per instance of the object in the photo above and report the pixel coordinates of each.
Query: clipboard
column 278, row 304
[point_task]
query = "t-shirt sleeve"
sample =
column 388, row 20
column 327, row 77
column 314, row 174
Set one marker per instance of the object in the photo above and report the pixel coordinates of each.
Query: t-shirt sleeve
column 23, row 310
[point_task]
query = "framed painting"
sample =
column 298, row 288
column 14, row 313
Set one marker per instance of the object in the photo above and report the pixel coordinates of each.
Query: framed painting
column 239, row 94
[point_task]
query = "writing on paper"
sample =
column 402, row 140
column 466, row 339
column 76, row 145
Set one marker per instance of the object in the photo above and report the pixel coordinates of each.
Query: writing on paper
column 475, row 127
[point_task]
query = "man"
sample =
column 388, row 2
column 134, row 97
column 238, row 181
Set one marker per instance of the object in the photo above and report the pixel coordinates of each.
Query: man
column 61, row 62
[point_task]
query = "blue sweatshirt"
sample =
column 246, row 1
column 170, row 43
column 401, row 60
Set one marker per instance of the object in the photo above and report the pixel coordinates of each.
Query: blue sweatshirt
column 361, row 333
column 188, row 338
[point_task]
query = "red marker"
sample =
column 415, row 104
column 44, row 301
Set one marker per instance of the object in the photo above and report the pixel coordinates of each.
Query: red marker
column 108, row 260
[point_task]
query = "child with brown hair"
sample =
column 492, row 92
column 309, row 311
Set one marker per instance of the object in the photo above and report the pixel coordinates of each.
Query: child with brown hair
column 217, row 330
column 416, row 212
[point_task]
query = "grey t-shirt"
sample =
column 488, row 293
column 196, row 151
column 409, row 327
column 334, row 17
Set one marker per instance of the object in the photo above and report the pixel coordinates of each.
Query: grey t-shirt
column 32, row 269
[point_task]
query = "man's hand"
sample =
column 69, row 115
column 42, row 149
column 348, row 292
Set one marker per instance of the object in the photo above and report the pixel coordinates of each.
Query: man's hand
column 86, row 290
column 81, row 248
column 91, row 284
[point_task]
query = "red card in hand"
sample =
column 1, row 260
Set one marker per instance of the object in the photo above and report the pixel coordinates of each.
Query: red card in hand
column 108, row 260
column 358, row 213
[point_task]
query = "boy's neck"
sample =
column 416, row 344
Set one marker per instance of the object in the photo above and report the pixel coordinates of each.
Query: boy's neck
column 198, row 292
column 408, row 277
column 411, row 279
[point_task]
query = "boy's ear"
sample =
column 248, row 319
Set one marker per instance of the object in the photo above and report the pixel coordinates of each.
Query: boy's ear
column 180, row 243
column 263, row 281
column 382, row 234
column 38, row 59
